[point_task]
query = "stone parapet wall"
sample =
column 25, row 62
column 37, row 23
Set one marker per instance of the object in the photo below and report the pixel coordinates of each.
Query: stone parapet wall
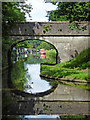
column 47, row 28
column 67, row 42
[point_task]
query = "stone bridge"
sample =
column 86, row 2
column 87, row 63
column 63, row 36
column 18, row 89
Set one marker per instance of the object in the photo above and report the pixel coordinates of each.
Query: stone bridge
column 67, row 42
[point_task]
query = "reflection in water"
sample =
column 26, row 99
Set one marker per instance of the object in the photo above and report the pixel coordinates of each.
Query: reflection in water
column 32, row 117
column 34, row 83
column 41, row 116
column 25, row 75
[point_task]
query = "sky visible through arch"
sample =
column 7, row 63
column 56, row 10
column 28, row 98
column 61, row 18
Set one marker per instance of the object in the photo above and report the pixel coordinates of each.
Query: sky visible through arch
column 39, row 10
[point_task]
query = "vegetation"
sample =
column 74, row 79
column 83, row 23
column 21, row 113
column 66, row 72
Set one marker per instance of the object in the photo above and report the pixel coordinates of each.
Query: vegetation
column 50, row 52
column 45, row 45
column 75, row 117
column 37, row 44
column 34, row 59
column 69, row 69
column 59, row 72
column 50, row 56
column 73, row 12
column 18, row 75
column 68, row 83
column 29, row 44
column 46, row 29
column 81, row 61
column 12, row 12
column 24, row 44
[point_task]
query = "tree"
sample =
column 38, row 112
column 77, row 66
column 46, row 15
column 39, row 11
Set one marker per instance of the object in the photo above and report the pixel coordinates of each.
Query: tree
column 12, row 12
column 45, row 45
column 73, row 12
column 24, row 44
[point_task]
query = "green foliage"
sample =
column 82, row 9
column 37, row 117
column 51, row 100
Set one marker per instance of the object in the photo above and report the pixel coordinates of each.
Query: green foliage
column 45, row 45
column 63, row 72
column 33, row 59
column 71, row 11
column 24, row 44
column 37, row 44
column 81, row 61
column 18, row 75
column 76, row 26
column 50, row 52
column 29, row 44
column 50, row 56
column 46, row 107
column 34, row 43
column 46, row 29
column 69, row 69
column 11, row 13
column 75, row 117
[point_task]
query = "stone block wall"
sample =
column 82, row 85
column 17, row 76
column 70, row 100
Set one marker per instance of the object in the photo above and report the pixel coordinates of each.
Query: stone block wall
column 47, row 28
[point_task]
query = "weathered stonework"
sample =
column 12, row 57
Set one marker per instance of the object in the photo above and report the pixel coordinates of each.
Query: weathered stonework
column 68, row 42
column 47, row 28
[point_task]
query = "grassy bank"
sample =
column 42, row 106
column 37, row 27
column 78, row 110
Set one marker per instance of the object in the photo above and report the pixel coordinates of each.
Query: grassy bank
column 70, row 69
column 80, row 62
column 75, row 117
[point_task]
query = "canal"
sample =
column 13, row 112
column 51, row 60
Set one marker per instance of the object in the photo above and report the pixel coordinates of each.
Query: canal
column 26, row 95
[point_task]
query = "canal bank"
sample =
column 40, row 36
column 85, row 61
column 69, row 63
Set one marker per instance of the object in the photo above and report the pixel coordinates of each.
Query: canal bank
column 63, row 100
column 75, row 70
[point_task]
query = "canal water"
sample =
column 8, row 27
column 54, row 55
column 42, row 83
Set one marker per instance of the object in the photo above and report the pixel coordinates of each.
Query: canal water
column 25, row 75
column 28, row 96
column 34, row 83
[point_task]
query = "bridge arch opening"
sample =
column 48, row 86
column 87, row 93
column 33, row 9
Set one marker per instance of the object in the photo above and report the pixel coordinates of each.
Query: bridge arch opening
column 57, row 59
column 22, row 68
